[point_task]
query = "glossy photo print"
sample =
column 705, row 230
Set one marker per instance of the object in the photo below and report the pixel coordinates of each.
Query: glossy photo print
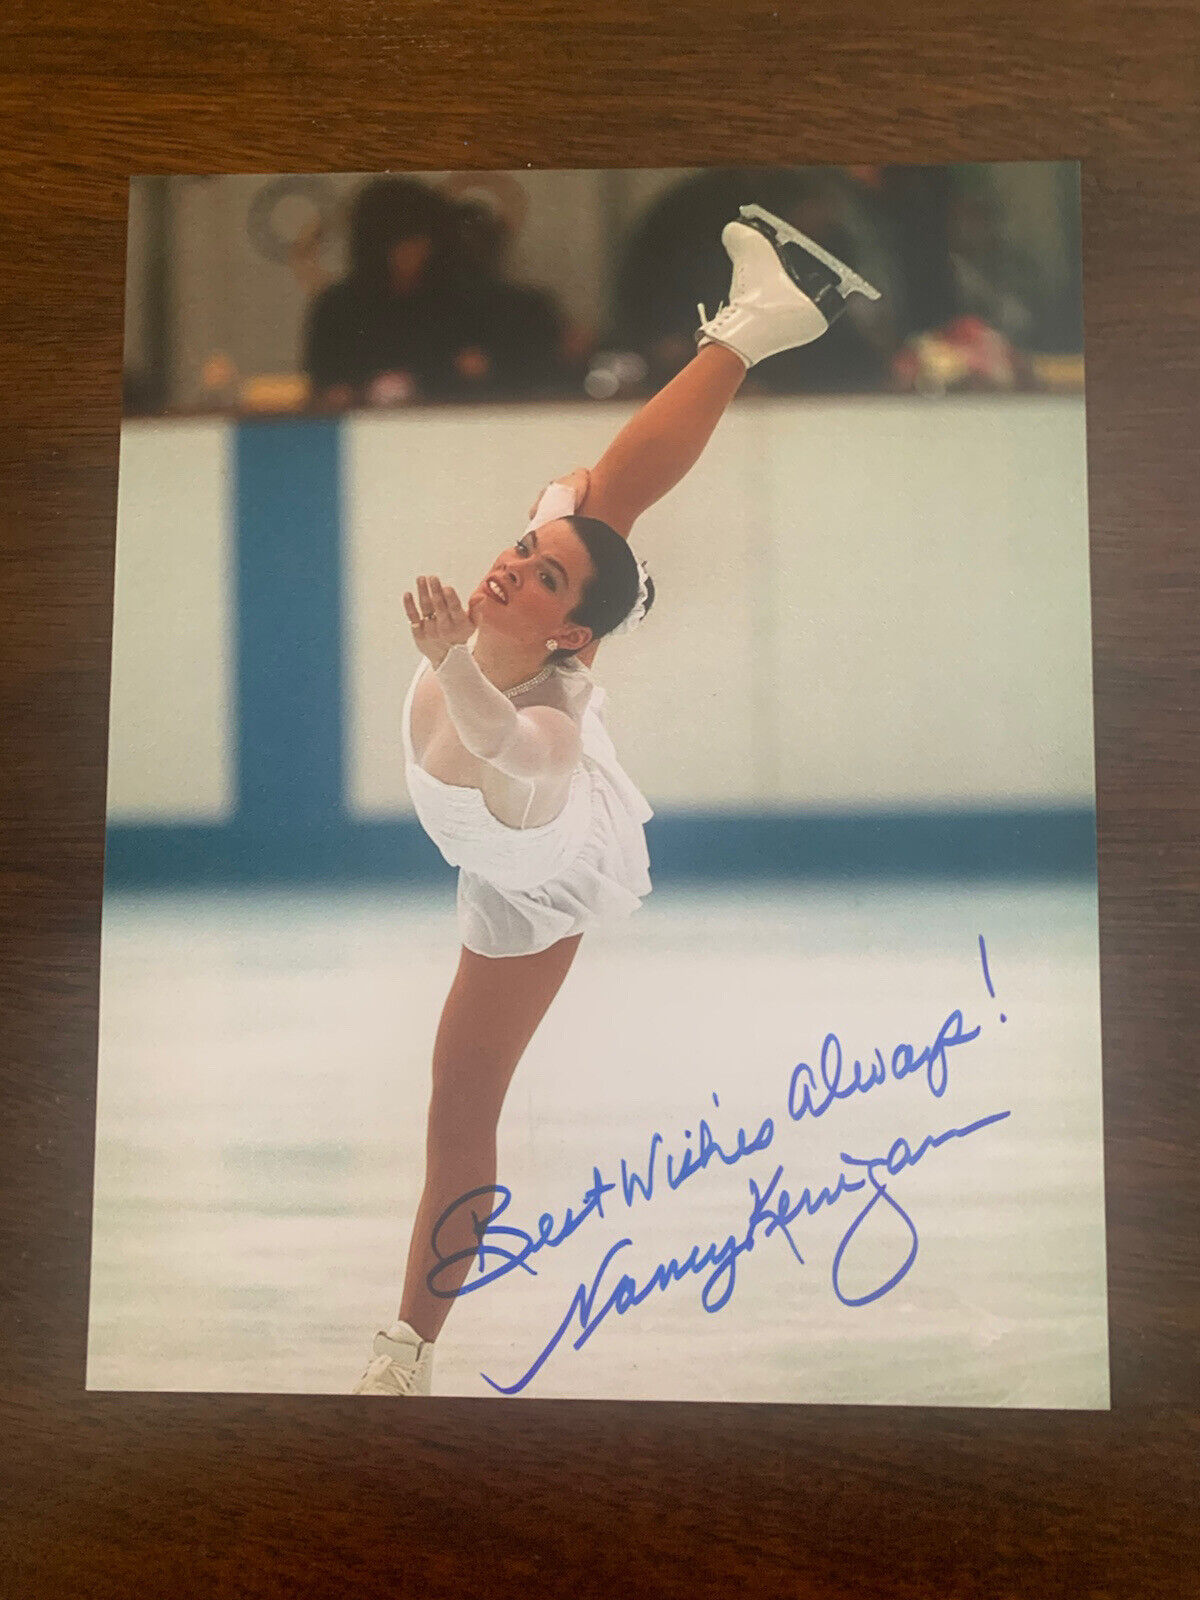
column 600, row 892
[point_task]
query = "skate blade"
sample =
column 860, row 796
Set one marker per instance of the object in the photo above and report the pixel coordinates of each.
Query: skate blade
column 848, row 281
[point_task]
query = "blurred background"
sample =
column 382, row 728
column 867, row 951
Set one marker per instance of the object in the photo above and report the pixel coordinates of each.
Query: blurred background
column 860, row 707
column 337, row 382
column 326, row 292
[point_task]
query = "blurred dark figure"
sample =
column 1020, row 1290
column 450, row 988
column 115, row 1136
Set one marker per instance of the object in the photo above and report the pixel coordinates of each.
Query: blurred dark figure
column 425, row 311
column 960, row 259
column 394, row 325
column 916, row 201
column 976, row 304
column 993, row 279
column 524, row 345
column 674, row 260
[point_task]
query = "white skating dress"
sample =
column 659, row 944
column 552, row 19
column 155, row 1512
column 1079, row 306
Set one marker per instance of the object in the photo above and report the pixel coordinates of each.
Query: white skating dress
column 522, row 889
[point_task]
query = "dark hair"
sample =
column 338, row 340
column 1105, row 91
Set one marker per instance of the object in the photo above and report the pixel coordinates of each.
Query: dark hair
column 387, row 210
column 609, row 594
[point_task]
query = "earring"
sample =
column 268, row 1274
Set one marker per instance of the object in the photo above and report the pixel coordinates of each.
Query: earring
column 551, row 644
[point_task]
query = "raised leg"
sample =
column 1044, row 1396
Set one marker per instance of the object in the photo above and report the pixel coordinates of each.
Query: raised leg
column 491, row 1013
column 785, row 291
column 661, row 444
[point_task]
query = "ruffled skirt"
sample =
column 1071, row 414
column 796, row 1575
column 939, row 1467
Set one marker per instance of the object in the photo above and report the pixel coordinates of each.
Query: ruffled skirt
column 606, row 877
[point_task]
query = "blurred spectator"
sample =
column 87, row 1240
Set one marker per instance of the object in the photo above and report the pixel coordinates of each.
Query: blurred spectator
column 915, row 204
column 674, row 260
column 978, row 299
column 973, row 299
column 993, row 280
column 395, row 316
column 525, row 341
column 959, row 258
column 425, row 311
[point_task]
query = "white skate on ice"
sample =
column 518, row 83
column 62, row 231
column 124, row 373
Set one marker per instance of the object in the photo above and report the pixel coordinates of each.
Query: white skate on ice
column 401, row 1363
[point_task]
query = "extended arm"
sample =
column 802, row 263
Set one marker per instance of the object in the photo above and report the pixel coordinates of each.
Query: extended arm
column 538, row 743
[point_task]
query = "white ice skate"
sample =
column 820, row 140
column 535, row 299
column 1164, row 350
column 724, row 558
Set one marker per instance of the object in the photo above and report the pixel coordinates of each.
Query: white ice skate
column 401, row 1363
column 785, row 291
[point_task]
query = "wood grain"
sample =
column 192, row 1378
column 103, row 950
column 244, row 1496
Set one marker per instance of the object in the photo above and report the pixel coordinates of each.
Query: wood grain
column 110, row 1495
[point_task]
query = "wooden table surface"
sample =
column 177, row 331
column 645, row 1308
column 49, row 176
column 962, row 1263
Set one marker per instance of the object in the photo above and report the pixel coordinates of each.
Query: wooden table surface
column 131, row 1495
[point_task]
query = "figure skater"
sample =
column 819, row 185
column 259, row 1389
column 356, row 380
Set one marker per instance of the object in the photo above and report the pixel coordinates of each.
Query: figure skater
column 509, row 765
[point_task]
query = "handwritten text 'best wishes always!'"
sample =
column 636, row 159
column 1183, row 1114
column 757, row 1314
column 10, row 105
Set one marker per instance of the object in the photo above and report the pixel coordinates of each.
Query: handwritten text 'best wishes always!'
column 813, row 1092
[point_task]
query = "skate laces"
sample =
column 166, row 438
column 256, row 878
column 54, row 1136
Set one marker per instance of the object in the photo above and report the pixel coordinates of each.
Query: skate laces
column 721, row 319
column 391, row 1374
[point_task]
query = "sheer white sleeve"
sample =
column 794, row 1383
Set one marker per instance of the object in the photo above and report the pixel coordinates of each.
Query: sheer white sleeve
column 537, row 743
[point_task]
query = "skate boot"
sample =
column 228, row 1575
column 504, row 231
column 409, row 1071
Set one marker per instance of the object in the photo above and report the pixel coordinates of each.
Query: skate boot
column 785, row 291
column 401, row 1363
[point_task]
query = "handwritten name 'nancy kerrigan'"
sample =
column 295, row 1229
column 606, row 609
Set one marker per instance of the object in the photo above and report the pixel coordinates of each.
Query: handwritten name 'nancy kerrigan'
column 773, row 1209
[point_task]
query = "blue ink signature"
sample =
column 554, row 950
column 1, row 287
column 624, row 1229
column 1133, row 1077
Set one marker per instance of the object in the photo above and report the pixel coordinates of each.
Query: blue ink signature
column 486, row 1230
column 632, row 1182
column 805, row 1099
column 771, row 1210
column 551, row 1233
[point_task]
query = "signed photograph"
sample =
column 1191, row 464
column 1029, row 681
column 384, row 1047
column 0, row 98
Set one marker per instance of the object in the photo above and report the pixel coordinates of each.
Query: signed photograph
column 600, row 876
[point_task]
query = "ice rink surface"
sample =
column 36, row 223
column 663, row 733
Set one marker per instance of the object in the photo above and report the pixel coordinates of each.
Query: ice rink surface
column 263, row 1085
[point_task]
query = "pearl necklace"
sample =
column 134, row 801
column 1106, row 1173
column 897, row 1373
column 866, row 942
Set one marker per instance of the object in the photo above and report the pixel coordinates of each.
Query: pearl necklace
column 530, row 683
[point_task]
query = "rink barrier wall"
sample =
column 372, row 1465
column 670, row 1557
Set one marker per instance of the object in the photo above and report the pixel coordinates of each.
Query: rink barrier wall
column 293, row 819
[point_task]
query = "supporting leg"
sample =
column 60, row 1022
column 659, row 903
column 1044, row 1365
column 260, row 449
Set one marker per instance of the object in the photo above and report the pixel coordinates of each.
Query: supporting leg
column 491, row 1013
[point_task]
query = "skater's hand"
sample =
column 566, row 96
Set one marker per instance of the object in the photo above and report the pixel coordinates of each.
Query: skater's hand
column 438, row 619
column 580, row 481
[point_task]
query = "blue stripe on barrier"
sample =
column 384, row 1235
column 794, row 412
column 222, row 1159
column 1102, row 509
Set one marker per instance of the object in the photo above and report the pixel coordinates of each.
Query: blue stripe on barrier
column 695, row 846
column 883, row 844
column 288, row 609
column 290, row 825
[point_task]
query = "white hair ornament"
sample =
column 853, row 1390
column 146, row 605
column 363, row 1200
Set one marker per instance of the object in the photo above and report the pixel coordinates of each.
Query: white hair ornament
column 638, row 610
